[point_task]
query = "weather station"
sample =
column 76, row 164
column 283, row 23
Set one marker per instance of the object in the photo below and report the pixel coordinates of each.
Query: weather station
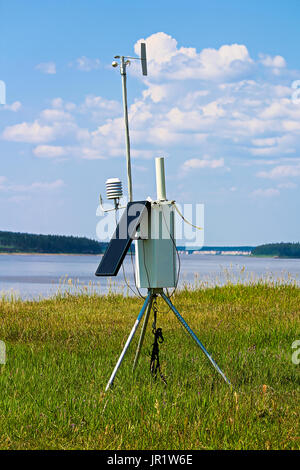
column 151, row 225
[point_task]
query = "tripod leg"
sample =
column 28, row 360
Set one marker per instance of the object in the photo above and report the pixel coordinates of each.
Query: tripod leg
column 144, row 327
column 190, row 331
column 140, row 316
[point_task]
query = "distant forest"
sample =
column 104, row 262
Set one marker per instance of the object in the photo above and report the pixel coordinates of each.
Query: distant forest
column 282, row 250
column 12, row 242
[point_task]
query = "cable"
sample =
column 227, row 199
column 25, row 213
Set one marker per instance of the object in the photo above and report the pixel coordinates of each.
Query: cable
column 185, row 220
column 145, row 265
column 134, row 277
column 123, row 269
column 128, row 285
column 178, row 257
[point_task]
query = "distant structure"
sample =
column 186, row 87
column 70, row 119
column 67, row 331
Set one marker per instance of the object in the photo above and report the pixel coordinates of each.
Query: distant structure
column 217, row 250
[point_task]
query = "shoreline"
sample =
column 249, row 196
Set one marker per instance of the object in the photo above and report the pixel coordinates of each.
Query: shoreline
column 101, row 254
column 51, row 254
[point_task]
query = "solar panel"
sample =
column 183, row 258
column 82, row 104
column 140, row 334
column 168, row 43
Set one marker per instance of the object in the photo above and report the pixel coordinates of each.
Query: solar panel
column 122, row 238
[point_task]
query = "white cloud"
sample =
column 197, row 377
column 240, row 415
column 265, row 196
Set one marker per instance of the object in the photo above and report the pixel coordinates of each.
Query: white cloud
column 48, row 68
column 280, row 145
column 2, row 181
column 85, row 64
column 50, row 151
column 29, row 132
column 156, row 92
column 59, row 103
column 53, row 124
column 41, row 186
column 55, row 115
column 98, row 107
column 265, row 142
column 35, row 187
column 167, row 60
column 288, row 185
column 281, row 171
column 92, row 101
column 193, row 102
column 265, row 193
column 196, row 163
column 272, row 61
column 89, row 153
column 213, row 109
column 15, row 106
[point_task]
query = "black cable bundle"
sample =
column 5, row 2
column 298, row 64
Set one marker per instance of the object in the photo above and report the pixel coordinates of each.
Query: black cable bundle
column 154, row 362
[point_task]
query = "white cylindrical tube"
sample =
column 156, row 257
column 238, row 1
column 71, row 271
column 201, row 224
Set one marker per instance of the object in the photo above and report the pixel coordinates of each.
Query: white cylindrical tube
column 160, row 179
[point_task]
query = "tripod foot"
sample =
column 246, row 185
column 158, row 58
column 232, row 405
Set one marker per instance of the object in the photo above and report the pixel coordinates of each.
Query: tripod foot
column 190, row 331
column 132, row 333
column 144, row 327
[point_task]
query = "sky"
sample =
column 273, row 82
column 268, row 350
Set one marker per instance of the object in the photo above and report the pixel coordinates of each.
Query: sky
column 220, row 103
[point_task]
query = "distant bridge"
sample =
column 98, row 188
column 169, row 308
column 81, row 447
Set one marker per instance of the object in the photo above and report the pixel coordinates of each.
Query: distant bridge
column 217, row 250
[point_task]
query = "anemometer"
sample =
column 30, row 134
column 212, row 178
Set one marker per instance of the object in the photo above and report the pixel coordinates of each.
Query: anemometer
column 151, row 224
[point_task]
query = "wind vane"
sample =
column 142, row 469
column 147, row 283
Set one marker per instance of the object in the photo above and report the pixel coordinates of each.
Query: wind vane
column 124, row 62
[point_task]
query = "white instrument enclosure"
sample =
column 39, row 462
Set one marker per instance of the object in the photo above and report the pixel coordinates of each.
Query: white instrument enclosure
column 155, row 250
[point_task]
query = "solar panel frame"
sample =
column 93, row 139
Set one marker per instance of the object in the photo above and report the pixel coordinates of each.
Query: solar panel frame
column 119, row 246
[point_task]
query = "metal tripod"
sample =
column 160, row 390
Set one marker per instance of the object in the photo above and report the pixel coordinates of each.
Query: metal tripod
column 152, row 294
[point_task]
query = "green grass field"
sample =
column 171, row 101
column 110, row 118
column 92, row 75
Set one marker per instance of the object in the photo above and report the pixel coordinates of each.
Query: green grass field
column 61, row 352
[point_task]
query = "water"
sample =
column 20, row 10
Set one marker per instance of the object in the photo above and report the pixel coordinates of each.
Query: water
column 39, row 276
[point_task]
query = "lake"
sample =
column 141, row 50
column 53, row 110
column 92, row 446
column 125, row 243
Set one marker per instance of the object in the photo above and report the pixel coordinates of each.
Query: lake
column 40, row 276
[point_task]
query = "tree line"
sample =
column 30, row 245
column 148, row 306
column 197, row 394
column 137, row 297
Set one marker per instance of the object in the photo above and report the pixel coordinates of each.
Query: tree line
column 282, row 250
column 14, row 242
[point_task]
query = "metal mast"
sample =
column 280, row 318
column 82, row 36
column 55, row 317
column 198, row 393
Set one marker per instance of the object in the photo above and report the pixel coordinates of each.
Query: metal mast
column 123, row 64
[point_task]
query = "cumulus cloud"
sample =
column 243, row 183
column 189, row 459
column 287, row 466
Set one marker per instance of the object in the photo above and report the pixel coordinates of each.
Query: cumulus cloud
column 29, row 132
column 193, row 102
column 50, row 151
column 48, row 68
column 281, row 171
column 206, row 162
column 2, row 181
column 55, row 115
column 276, row 61
column 15, row 106
column 265, row 193
column 59, row 103
column 288, row 185
column 166, row 59
column 85, row 64
column 35, row 187
column 52, row 124
column 98, row 107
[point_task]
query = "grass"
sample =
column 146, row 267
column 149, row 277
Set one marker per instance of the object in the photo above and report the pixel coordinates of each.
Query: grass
column 61, row 352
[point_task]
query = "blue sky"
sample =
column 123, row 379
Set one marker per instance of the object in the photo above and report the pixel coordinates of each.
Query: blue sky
column 218, row 103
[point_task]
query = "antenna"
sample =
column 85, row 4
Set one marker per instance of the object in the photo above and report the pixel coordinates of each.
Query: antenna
column 123, row 64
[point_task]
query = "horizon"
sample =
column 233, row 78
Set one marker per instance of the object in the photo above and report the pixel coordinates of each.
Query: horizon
column 220, row 103
column 196, row 247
